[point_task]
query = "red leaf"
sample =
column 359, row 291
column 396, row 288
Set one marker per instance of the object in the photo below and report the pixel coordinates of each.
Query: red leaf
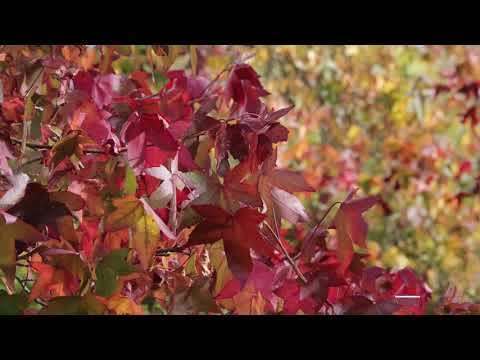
column 350, row 226
column 239, row 232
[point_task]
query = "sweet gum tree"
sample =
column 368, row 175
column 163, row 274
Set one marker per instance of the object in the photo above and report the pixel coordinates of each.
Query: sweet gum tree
column 135, row 182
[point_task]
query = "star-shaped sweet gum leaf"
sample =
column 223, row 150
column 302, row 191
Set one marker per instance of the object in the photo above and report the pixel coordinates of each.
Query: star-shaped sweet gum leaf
column 109, row 269
column 5, row 154
column 53, row 281
column 38, row 208
column 240, row 184
column 261, row 278
column 16, row 192
column 71, row 146
column 163, row 194
column 351, row 227
column 145, row 237
column 149, row 142
column 240, row 233
column 135, row 214
column 9, row 232
column 92, row 121
column 44, row 279
column 244, row 88
column 128, row 211
column 275, row 186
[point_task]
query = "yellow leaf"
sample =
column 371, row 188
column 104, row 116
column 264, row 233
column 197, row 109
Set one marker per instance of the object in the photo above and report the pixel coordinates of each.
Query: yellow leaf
column 123, row 306
column 193, row 57
column 145, row 237
column 129, row 211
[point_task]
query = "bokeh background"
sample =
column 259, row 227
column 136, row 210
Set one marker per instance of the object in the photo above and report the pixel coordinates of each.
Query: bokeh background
column 394, row 121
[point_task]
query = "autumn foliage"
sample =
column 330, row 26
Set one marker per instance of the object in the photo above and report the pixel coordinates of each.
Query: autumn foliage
column 137, row 189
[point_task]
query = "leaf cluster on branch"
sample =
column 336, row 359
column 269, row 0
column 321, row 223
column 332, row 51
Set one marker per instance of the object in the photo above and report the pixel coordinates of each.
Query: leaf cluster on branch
column 138, row 188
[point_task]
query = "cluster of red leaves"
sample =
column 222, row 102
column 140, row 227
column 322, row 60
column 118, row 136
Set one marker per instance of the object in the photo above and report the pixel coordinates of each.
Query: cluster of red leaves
column 171, row 196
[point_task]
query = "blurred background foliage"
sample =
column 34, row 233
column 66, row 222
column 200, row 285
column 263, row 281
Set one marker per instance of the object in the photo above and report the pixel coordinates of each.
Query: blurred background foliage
column 370, row 116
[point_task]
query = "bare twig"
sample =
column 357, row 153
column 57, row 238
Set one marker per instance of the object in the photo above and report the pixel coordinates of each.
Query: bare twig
column 287, row 256
column 166, row 251
column 314, row 231
column 49, row 147
column 29, row 162
column 30, row 253
column 173, row 201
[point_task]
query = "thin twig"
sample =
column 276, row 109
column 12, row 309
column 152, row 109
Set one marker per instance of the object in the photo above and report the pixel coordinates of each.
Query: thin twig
column 49, row 147
column 32, row 145
column 287, row 256
column 30, row 253
column 166, row 251
column 173, row 201
column 29, row 162
column 314, row 231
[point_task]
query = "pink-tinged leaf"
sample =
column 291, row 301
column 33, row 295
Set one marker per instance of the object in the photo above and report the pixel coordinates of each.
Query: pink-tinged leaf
column 83, row 81
column 16, row 192
column 245, row 89
column 104, row 89
column 261, row 280
column 179, row 128
column 288, row 180
column 185, row 160
column 92, row 121
column 290, row 293
column 5, row 154
column 274, row 116
column 289, row 206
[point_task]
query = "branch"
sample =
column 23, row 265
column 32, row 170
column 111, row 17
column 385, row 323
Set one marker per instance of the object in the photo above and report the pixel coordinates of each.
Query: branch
column 29, row 162
column 49, row 147
column 30, row 253
column 166, row 251
column 314, row 231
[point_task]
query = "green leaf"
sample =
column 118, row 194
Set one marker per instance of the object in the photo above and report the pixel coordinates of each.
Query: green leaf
column 130, row 182
column 107, row 283
column 116, row 261
column 18, row 230
column 109, row 269
column 12, row 304
column 145, row 236
column 74, row 305
column 190, row 266
column 7, row 248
